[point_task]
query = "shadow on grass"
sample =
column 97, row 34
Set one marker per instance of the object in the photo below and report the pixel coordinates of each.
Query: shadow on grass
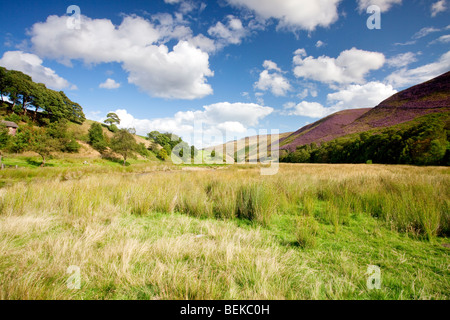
column 35, row 163
column 115, row 160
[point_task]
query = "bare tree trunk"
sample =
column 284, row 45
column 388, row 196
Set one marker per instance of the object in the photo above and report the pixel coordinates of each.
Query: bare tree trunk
column 35, row 114
column 43, row 161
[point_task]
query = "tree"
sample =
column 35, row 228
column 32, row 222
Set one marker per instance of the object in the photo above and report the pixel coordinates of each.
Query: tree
column 124, row 144
column 152, row 135
column 43, row 144
column 96, row 137
column 112, row 118
column 23, row 92
column 3, row 82
column 194, row 152
column 4, row 139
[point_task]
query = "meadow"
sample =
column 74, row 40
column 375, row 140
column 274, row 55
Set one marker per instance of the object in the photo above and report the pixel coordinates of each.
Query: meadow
column 225, row 232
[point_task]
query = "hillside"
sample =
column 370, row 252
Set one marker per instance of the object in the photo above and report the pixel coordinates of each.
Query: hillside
column 248, row 146
column 429, row 97
column 326, row 129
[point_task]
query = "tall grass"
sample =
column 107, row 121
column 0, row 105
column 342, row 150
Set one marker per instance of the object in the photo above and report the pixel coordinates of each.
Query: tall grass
column 172, row 235
column 409, row 199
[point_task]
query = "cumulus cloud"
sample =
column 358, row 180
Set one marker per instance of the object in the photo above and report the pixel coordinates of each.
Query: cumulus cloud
column 437, row 7
column 385, row 5
column 406, row 77
column 361, row 96
column 273, row 81
column 368, row 95
column 230, row 33
column 234, row 118
column 294, row 14
column 350, row 67
column 402, row 60
column 109, row 84
column 31, row 64
column 180, row 73
column 306, row 109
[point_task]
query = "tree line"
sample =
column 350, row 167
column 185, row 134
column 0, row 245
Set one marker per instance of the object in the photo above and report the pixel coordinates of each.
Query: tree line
column 425, row 143
column 27, row 96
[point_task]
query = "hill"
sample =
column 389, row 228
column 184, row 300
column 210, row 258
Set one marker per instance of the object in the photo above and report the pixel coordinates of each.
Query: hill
column 429, row 97
column 326, row 129
column 248, row 146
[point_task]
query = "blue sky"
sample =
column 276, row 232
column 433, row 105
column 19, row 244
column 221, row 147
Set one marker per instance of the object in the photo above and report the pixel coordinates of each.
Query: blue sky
column 234, row 65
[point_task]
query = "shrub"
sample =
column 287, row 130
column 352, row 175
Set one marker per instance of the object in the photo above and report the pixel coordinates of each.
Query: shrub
column 13, row 117
column 162, row 155
column 72, row 147
column 96, row 137
column 113, row 128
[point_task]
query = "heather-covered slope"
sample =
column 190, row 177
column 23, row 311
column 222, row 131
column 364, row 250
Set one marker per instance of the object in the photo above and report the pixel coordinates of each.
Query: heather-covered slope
column 429, row 97
column 324, row 130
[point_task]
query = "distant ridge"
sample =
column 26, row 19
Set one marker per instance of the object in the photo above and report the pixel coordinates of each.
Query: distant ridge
column 432, row 96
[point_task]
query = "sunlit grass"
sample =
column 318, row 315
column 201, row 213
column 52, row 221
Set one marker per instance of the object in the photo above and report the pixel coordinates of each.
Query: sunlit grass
column 144, row 232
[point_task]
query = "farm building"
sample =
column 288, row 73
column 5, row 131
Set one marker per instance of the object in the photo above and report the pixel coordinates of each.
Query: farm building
column 12, row 127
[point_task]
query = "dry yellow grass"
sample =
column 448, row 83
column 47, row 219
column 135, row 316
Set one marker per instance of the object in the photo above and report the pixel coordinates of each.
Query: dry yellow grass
column 125, row 234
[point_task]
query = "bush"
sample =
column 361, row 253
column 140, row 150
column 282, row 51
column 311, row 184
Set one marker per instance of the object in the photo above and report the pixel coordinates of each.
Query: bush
column 113, row 128
column 162, row 155
column 13, row 117
column 72, row 147
column 96, row 137
column 142, row 150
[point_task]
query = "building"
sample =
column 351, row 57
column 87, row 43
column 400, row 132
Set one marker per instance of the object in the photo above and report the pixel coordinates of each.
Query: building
column 12, row 127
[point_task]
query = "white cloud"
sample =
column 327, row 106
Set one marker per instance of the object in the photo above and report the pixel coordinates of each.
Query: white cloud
column 320, row 44
column 407, row 43
column 442, row 39
column 180, row 73
column 234, row 118
column 424, row 32
column 437, row 7
column 352, row 97
column 273, row 81
column 406, row 77
column 109, row 84
column 270, row 65
column 350, row 67
column 384, row 5
column 402, row 60
column 203, row 43
column 294, row 14
column 31, row 64
column 360, row 96
column 230, row 33
column 306, row 109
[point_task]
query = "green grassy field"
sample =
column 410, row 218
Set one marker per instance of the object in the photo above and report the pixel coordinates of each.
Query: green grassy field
column 156, row 231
